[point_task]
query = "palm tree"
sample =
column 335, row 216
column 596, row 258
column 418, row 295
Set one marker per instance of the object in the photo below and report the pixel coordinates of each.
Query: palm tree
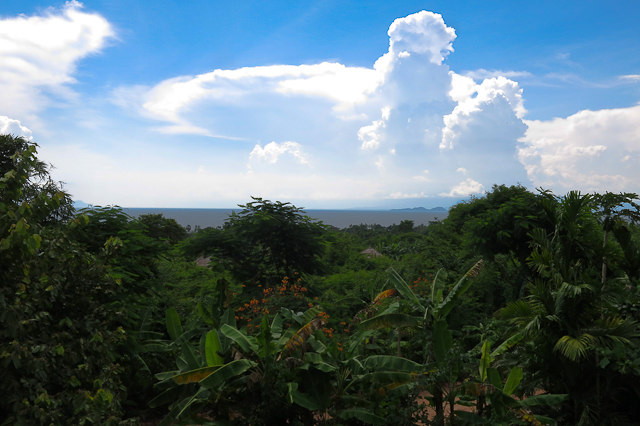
column 569, row 317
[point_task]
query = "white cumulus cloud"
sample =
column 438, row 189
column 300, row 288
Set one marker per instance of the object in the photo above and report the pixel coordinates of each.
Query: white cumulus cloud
column 465, row 189
column 38, row 55
column 13, row 127
column 589, row 151
column 272, row 151
column 489, row 92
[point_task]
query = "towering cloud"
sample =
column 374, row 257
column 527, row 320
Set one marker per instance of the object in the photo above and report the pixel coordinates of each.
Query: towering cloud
column 407, row 126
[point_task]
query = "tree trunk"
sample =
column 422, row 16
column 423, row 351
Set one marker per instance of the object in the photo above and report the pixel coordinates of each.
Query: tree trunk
column 452, row 407
column 438, row 401
column 480, row 404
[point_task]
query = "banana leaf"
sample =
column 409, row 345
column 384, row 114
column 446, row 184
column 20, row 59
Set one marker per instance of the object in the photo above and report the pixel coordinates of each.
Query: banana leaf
column 404, row 289
column 226, row 372
column 247, row 343
column 442, row 341
column 213, row 349
column 387, row 362
column 174, row 327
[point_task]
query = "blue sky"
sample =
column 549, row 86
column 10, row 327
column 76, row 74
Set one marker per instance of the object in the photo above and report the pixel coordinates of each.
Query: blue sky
column 328, row 104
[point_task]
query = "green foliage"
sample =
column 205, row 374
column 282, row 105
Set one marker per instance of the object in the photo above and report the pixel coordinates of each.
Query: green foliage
column 570, row 316
column 93, row 308
column 264, row 242
column 60, row 321
column 135, row 258
column 159, row 227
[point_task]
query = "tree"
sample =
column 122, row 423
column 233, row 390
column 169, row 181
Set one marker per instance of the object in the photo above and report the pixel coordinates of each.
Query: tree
column 36, row 178
column 60, row 331
column 405, row 226
column 615, row 209
column 160, row 227
column 264, row 242
column 502, row 227
column 571, row 322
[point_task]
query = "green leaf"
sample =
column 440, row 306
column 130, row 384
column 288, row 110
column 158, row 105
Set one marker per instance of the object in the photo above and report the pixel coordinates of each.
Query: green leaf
column 442, row 341
column 186, row 407
column 485, row 361
column 170, row 395
column 212, row 348
column 358, row 338
column 276, row 326
column 313, row 357
column 227, row 372
column 494, row 378
column 387, row 362
column 437, row 286
column 463, row 285
column 247, row 343
column 506, row 345
column 228, row 317
column 156, row 347
column 204, row 314
column 404, row 289
column 302, row 399
column 513, row 380
column 362, row 415
column 390, row 320
column 174, row 327
column 190, row 355
column 145, row 324
column 188, row 335
column 550, row 399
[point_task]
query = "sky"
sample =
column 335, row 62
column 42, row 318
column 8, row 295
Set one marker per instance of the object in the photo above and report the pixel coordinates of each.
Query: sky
column 327, row 104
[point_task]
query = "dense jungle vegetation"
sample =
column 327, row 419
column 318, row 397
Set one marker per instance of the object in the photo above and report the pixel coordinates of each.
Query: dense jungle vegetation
column 519, row 308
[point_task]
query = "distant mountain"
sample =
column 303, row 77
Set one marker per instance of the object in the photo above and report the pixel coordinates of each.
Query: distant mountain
column 79, row 204
column 421, row 209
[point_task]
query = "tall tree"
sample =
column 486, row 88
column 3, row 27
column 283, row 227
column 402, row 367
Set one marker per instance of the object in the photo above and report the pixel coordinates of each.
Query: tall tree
column 265, row 242
column 59, row 318
column 569, row 318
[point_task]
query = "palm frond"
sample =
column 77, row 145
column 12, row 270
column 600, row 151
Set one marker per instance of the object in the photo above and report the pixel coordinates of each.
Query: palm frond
column 574, row 348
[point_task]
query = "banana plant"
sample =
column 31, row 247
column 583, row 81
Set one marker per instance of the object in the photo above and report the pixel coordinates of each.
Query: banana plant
column 333, row 385
column 431, row 313
column 201, row 372
column 227, row 360
column 495, row 404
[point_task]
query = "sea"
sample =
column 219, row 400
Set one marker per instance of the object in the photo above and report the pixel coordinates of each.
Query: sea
column 205, row 218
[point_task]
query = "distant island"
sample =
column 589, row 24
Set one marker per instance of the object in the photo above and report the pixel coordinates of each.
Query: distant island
column 420, row 209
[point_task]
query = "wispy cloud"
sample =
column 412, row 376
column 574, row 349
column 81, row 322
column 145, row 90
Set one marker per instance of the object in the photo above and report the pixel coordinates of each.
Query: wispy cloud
column 481, row 74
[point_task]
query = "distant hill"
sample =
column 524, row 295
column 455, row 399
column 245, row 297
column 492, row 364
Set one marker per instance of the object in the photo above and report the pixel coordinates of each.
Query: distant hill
column 79, row 204
column 421, row 209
